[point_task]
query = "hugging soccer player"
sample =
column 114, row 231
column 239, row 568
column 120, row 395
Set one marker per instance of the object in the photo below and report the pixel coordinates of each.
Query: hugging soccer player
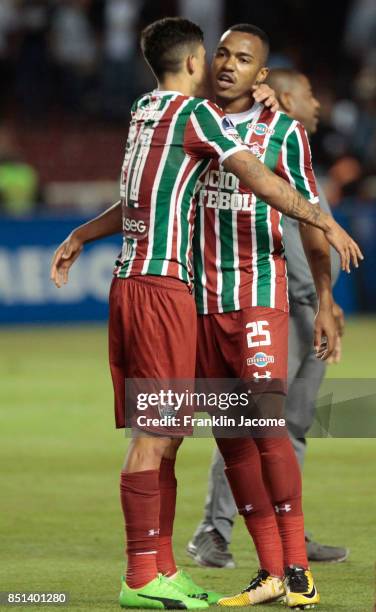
column 241, row 298
column 173, row 138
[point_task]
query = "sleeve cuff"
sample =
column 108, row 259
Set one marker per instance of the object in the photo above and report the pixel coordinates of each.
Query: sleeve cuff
column 236, row 149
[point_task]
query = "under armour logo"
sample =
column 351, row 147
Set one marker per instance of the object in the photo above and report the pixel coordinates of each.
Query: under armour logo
column 153, row 532
column 285, row 508
column 247, row 508
column 258, row 375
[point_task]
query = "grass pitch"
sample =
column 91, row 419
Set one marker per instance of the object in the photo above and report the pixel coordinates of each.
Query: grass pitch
column 61, row 525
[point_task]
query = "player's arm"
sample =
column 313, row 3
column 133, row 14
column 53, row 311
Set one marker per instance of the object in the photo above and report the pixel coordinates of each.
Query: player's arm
column 317, row 251
column 281, row 196
column 339, row 317
column 209, row 133
column 295, row 165
column 106, row 224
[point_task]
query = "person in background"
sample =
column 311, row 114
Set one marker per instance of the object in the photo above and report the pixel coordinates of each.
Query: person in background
column 20, row 192
column 209, row 545
column 119, row 70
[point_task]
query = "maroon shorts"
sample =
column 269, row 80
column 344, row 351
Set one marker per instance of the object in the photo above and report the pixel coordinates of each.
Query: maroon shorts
column 249, row 344
column 152, row 333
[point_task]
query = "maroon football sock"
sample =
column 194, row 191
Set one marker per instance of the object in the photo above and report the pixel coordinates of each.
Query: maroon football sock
column 245, row 477
column 140, row 499
column 167, row 485
column 291, row 529
column 283, row 478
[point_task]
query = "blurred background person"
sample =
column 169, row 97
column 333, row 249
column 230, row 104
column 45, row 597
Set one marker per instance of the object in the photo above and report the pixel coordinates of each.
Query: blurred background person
column 20, row 192
column 74, row 53
column 119, row 68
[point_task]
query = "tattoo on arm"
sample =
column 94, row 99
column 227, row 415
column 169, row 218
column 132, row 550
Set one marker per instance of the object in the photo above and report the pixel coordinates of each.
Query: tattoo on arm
column 287, row 200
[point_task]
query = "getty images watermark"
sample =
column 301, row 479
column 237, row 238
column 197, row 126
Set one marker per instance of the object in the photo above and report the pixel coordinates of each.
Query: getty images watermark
column 169, row 403
column 345, row 408
column 197, row 407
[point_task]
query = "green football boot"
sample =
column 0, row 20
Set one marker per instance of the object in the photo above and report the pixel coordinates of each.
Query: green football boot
column 183, row 581
column 159, row 593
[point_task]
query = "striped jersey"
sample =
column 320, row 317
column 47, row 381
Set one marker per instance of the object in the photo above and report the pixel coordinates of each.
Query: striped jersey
column 171, row 141
column 238, row 250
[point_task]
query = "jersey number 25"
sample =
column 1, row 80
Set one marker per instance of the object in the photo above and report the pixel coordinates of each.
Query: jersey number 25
column 258, row 336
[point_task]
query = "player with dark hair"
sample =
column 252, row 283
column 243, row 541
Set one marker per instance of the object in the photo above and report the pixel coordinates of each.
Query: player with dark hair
column 241, row 297
column 165, row 43
column 209, row 546
column 250, row 28
column 172, row 139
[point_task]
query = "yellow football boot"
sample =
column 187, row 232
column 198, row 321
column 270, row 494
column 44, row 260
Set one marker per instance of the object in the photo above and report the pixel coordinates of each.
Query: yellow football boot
column 263, row 589
column 300, row 589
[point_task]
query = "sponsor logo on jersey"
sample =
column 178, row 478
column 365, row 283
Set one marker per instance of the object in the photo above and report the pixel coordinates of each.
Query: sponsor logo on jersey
column 133, row 226
column 256, row 149
column 134, row 223
column 219, row 179
column 223, row 200
column 265, row 374
column 260, row 360
column 223, row 192
column 260, row 129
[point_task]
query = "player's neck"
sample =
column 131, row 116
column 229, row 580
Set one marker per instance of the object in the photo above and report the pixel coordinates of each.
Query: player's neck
column 240, row 105
column 176, row 83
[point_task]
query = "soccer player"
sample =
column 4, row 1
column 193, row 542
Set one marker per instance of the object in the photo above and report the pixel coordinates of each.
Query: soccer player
column 241, row 297
column 209, row 546
column 172, row 138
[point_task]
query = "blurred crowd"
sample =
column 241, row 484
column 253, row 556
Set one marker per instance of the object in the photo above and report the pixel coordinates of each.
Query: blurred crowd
column 70, row 68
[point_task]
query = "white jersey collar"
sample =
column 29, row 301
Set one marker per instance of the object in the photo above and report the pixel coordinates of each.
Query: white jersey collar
column 165, row 92
column 247, row 115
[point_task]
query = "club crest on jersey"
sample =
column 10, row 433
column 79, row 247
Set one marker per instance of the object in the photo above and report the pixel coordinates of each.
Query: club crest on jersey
column 256, row 149
column 260, row 129
column 260, row 360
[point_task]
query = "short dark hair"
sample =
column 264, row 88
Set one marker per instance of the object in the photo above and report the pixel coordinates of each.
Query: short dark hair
column 164, row 41
column 249, row 28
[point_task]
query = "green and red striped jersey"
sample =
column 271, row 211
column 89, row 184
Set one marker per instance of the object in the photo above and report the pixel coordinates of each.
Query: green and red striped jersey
column 237, row 247
column 172, row 139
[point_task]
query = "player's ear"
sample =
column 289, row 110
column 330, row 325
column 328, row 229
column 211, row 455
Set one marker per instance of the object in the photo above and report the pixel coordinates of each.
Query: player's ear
column 191, row 63
column 261, row 75
column 286, row 101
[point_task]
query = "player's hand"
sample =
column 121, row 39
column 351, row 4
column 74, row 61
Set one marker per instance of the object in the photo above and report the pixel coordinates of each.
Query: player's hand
column 325, row 332
column 347, row 248
column 266, row 95
column 64, row 256
column 335, row 357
